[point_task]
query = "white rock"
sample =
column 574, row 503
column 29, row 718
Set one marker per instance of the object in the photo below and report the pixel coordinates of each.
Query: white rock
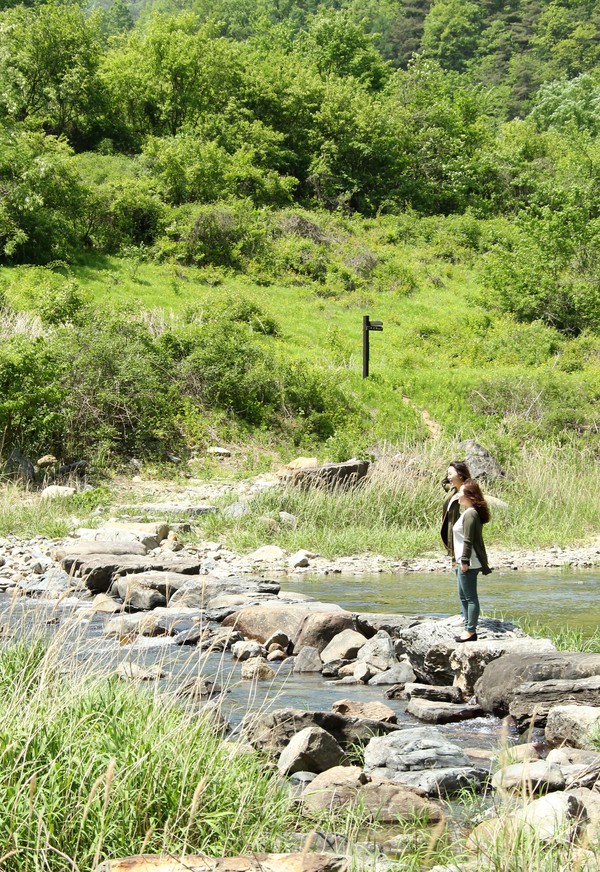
column 54, row 491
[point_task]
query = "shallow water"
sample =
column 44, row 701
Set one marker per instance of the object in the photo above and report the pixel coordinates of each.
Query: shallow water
column 550, row 598
column 553, row 598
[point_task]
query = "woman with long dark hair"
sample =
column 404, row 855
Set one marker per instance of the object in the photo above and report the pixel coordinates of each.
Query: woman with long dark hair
column 470, row 554
column 458, row 473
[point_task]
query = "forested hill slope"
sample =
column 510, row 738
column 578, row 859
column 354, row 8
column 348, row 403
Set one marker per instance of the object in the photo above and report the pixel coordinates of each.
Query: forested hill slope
column 278, row 164
column 516, row 45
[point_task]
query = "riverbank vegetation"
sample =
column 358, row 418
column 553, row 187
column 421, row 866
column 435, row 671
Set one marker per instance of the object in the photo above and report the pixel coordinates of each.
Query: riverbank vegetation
column 95, row 767
column 395, row 513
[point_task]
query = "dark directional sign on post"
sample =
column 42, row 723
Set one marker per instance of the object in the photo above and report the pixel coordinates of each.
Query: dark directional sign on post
column 368, row 325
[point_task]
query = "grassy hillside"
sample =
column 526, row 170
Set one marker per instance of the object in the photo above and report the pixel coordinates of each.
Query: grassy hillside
column 449, row 362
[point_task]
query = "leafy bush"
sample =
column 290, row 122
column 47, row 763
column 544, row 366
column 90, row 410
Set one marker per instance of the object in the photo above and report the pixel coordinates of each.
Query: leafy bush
column 547, row 270
column 42, row 197
column 225, row 234
column 128, row 212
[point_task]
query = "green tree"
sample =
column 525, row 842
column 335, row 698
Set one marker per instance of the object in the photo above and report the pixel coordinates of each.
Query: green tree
column 42, row 197
column 49, row 57
column 168, row 76
column 451, row 31
column 338, row 46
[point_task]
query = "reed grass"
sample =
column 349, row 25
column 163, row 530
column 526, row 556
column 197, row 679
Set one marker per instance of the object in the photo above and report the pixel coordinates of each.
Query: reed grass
column 551, row 494
column 96, row 768
column 24, row 513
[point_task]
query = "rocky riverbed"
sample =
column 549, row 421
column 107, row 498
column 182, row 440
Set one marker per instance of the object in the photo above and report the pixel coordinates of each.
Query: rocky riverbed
column 144, row 584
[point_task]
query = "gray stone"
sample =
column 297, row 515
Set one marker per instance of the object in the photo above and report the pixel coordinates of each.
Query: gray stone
column 246, row 650
column 237, row 510
column 496, row 687
column 443, row 782
column 260, row 622
column 536, row 776
column 150, row 535
column 400, row 673
column 298, row 560
column 165, row 583
column 127, row 627
column 574, row 725
column 469, row 661
column 430, row 645
column 330, row 475
column 57, row 491
column 344, row 646
column 319, row 628
column 368, row 624
column 267, row 554
column 433, row 692
column 412, row 749
column 362, row 672
column 559, row 815
column 201, row 592
column 73, row 553
column 482, row 465
column 257, row 669
column 271, row 731
column 312, row 749
column 376, row 711
column 532, row 700
column 442, row 712
column 378, row 652
column 307, row 660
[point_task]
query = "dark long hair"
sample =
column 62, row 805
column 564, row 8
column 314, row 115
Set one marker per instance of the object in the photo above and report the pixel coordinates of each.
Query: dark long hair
column 473, row 492
column 461, row 468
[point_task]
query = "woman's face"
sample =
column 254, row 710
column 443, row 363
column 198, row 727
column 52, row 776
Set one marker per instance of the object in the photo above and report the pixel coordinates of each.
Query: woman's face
column 453, row 477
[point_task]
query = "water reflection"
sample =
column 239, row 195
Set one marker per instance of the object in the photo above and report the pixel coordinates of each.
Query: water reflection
column 556, row 599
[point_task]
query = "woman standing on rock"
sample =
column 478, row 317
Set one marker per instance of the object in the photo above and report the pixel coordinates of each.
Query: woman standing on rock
column 458, row 474
column 470, row 554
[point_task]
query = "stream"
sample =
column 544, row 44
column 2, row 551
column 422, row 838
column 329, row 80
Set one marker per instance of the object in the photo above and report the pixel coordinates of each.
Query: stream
column 570, row 598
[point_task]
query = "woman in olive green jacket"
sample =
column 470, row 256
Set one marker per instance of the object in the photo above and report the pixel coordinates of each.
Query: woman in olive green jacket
column 470, row 554
column 458, row 474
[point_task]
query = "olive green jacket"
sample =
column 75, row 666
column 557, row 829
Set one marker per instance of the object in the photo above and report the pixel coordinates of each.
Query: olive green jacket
column 473, row 531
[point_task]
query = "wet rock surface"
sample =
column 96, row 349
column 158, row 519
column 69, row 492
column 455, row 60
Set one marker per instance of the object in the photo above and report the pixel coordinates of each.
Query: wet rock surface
column 208, row 599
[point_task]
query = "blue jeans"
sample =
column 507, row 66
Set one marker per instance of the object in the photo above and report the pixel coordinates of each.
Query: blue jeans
column 469, row 601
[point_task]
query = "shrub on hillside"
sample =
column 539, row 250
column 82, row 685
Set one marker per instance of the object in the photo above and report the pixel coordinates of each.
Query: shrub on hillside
column 227, row 234
column 112, row 385
column 546, row 269
column 128, row 212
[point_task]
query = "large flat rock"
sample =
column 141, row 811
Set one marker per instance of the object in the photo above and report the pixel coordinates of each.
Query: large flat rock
column 203, row 591
column 431, row 644
column 260, row 622
column 433, row 712
column 532, row 701
column 496, row 688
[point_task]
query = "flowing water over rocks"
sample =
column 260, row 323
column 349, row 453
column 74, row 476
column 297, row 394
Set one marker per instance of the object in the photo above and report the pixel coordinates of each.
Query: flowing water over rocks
column 299, row 666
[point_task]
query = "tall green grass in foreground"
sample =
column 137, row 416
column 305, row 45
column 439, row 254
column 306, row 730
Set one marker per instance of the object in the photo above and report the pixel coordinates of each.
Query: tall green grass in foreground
column 94, row 768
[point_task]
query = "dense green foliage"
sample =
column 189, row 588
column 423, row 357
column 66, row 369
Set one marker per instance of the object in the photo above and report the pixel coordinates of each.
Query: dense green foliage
column 105, row 770
column 219, row 136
